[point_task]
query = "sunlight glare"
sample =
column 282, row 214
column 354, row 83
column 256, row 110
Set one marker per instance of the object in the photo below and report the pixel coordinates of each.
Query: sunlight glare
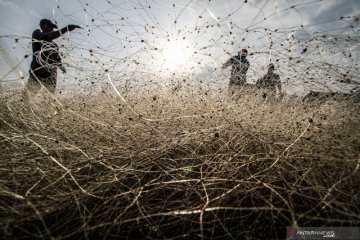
column 176, row 55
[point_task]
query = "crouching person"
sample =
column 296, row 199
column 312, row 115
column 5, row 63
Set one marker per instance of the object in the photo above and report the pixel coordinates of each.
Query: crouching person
column 270, row 81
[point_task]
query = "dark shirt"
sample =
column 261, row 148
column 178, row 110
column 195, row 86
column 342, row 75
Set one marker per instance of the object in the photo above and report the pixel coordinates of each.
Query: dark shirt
column 46, row 55
column 270, row 80
column 240, row 65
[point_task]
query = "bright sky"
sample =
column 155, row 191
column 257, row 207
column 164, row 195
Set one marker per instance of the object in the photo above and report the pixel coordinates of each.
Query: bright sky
column 160, row 37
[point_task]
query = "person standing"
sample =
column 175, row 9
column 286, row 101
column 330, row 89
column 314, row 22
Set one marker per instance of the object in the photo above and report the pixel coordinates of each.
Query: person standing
column 239, row 67
column 46, row 57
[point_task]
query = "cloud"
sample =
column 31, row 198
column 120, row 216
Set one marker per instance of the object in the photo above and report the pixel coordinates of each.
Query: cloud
column 6, row 5
column 333, row 11
column 17, row 19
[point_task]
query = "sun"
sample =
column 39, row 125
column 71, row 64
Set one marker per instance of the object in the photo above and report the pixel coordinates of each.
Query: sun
column 177, row 54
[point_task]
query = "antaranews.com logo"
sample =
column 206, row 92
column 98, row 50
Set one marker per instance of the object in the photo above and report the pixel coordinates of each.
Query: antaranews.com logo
column 350, row 233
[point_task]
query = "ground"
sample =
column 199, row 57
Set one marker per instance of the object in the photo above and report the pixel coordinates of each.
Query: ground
column 176, row 167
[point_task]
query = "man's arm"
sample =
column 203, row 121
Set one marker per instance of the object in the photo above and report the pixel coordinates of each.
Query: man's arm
column 62, row 68
column 247, row 66
column 260, row 81
column 228, row 63
column 49, row 36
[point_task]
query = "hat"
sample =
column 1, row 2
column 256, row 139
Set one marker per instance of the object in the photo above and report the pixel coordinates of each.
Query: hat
column 243, row 52
column 48, row 22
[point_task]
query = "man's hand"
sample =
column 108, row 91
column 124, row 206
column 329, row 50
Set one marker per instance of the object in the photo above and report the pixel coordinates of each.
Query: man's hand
column 62, row 68
column 72, row 27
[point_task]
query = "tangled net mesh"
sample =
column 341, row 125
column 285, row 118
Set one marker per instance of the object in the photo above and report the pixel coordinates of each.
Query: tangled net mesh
column 141, row 140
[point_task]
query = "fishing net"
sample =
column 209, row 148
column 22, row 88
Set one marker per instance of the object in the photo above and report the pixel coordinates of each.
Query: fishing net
column 141, row 139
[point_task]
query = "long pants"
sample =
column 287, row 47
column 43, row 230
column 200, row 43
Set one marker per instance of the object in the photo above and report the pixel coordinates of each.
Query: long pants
column 35, row 83
column 236, row 84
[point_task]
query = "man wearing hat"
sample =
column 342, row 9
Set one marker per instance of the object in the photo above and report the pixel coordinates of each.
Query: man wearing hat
column 46, row 57
column 270, row 80
column 240, row 66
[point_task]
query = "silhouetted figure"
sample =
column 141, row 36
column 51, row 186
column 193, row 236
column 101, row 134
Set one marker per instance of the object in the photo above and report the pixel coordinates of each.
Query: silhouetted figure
column 46, row 57
column 239, row 67
column 270, row 80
